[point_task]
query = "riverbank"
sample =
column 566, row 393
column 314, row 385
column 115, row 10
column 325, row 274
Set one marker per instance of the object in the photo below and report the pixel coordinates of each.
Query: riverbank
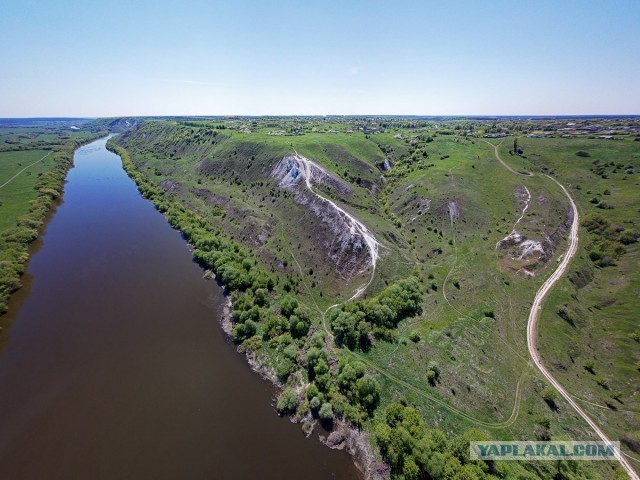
column 344, row 436
column 15, row 241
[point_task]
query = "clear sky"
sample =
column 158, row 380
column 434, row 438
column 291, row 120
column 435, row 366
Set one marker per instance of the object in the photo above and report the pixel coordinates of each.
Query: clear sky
column 253, row 57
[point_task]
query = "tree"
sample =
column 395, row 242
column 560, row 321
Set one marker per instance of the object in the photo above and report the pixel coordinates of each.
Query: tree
column 315, row 403
column 312, row 391
column 344, row 328
column 260, row 298
column 368, row 392
column 409, row 469
column 326, row 412
column 314, row 355
column 288, row 306
column 433, row 373
column 242, row 331
column 287, row 401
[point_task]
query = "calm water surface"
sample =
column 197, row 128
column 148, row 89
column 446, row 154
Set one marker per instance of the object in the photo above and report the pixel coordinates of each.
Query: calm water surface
column 113, row 364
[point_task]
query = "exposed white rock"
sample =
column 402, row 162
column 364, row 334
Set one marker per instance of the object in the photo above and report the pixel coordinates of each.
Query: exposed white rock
column 299, row 174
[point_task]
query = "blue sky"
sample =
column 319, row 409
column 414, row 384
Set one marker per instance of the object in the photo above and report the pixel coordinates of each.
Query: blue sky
column 139, row 57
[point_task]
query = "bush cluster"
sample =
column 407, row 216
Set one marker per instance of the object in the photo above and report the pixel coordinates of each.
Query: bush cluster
column 353, row 323
column 608, row 243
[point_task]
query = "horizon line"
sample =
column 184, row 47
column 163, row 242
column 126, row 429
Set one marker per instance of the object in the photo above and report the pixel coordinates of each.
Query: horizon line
column 96, row 117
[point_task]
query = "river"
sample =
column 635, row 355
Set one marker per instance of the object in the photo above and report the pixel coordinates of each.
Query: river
column 113, row 364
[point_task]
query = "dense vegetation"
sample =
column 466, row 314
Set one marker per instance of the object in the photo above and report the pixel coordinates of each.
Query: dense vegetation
column 354, row 322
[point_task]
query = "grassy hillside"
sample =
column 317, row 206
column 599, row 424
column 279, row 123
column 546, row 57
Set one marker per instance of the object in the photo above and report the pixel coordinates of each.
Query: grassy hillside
column 464, row 245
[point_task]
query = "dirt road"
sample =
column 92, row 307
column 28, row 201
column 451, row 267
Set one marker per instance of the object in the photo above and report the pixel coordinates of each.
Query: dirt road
column 504, row 164
column 21, row 171
column 532, row 330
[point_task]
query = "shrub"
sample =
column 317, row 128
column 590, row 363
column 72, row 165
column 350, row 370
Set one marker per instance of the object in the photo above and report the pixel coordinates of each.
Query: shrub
column 288, row 306
column 312, row 391
column 549, row 395
column 628, row 237
column 352, row 323
column 590, row 366
column 315, row 403
column 564, row 313
column 284, row 368
column 326, row 412
column 242, row 331
column 287, row 401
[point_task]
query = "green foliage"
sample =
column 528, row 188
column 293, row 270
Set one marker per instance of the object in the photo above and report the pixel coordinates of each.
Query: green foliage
column 284, row 368
column 550, row 395
column 608, row 243
column 318, row 368
column 312, row 391
column 361, row 389
column 563, row 312
column 352, row 323
column 413, row 451
column 260, row 297
column 288, row 306
column 326, row 412
column 287, row 401
column 433, row 373
column 315, row 403
column 590, row 366
column 242, row 331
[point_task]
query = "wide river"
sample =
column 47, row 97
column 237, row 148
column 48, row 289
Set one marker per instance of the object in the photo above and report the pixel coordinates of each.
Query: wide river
column 112, row 361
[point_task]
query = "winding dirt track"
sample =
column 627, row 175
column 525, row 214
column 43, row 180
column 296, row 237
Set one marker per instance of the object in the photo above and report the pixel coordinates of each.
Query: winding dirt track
column 532, row 331
column 534, row 316
column 504, row 164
